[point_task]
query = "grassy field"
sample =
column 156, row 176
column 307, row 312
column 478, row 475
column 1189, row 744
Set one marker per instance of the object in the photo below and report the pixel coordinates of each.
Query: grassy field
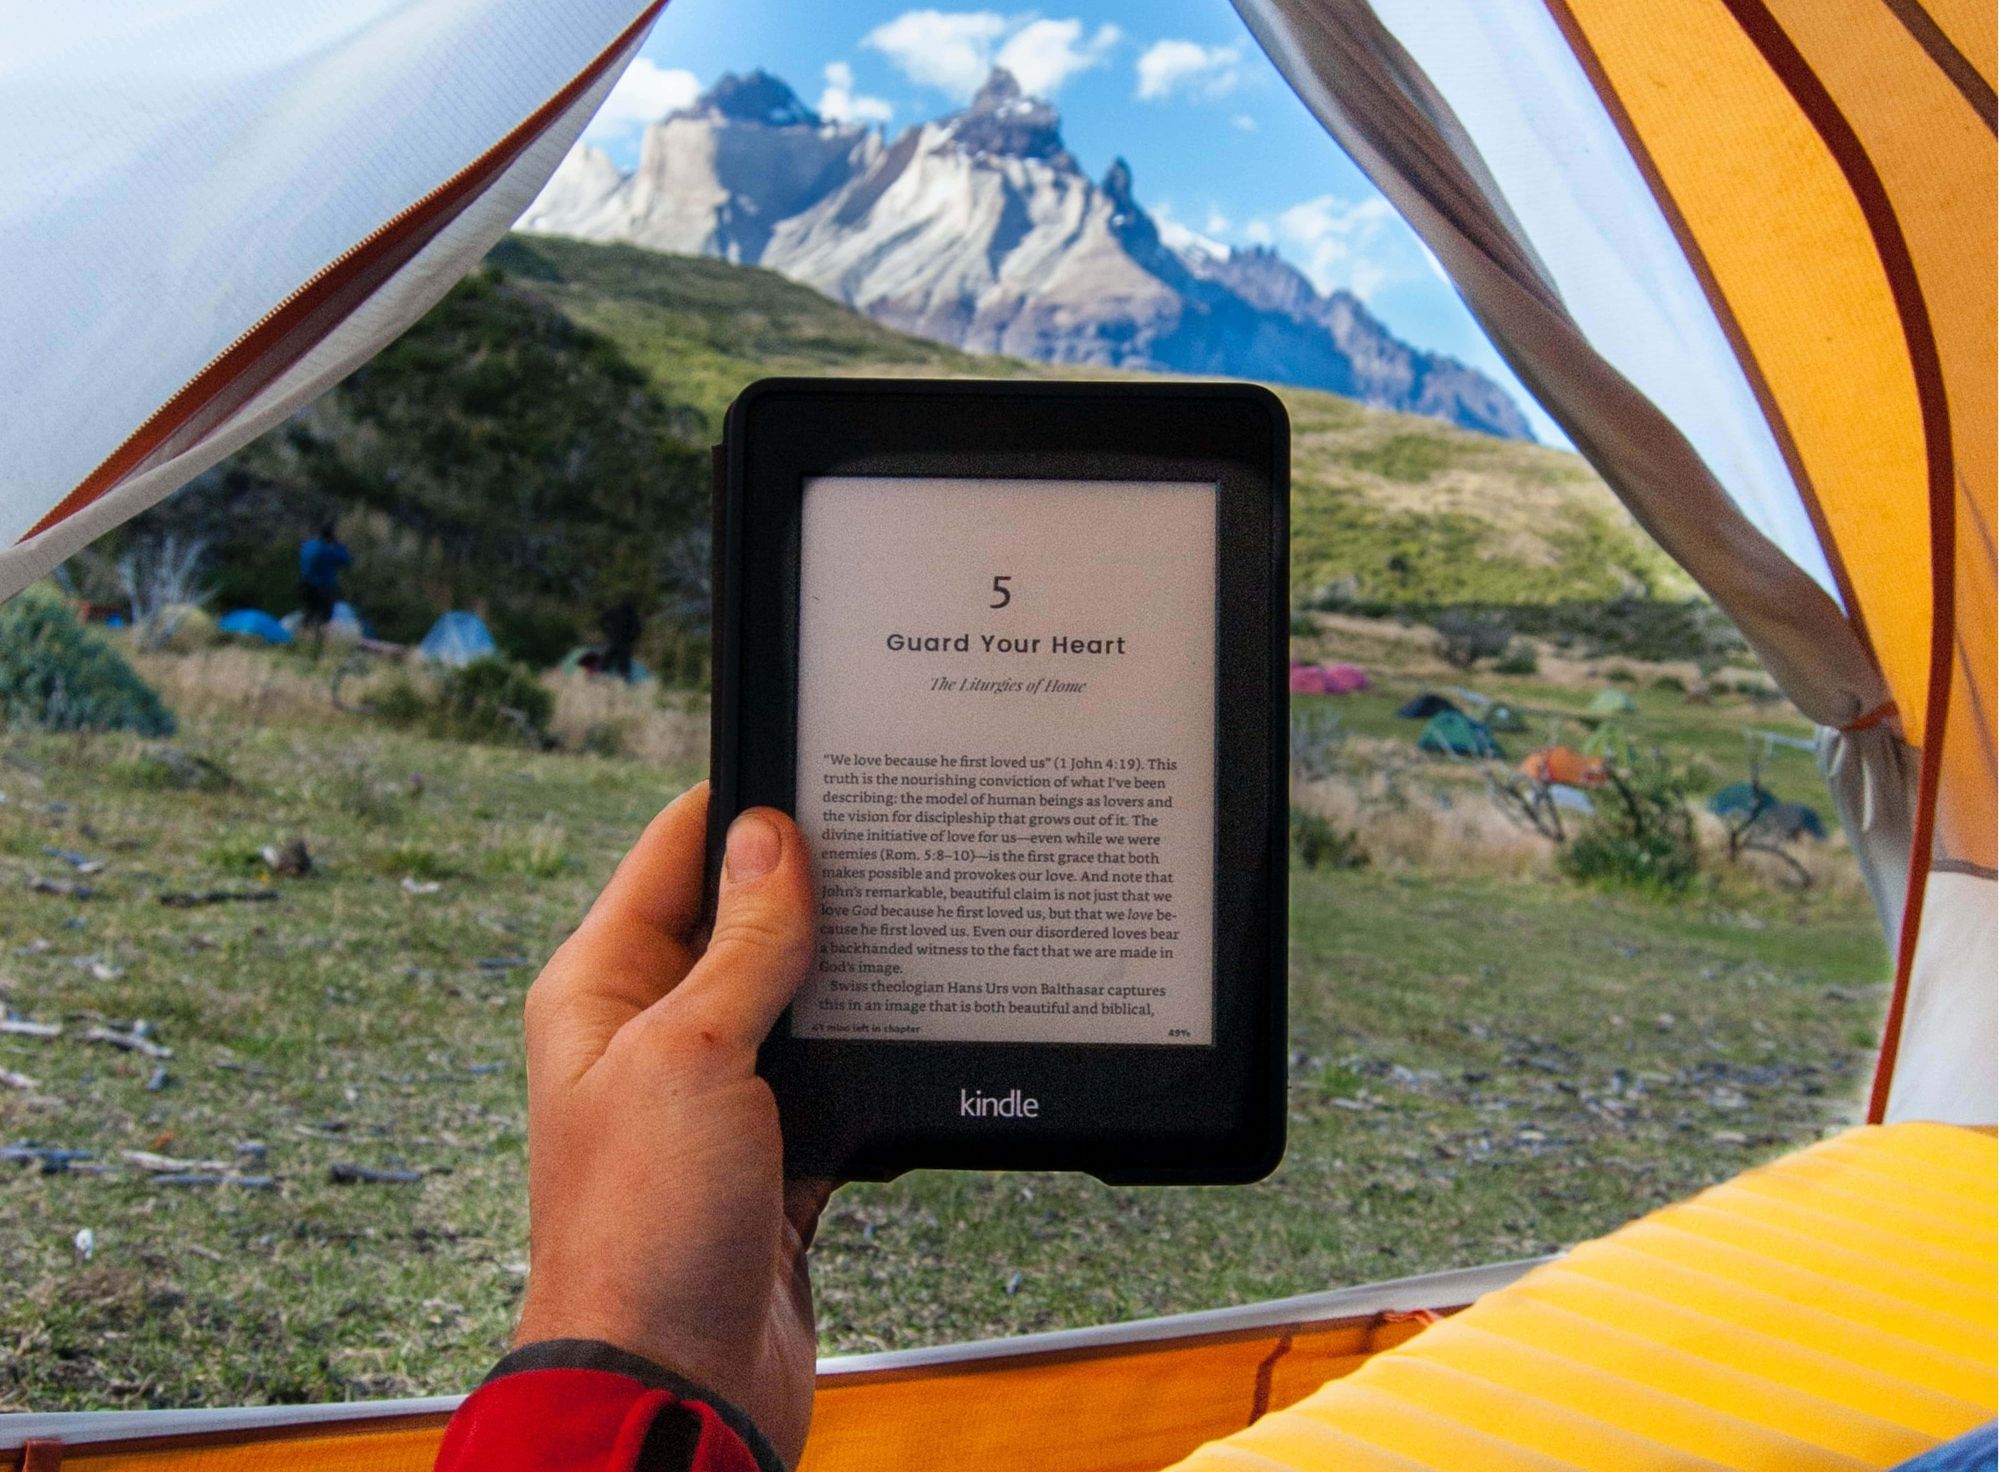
column 1487, row 1062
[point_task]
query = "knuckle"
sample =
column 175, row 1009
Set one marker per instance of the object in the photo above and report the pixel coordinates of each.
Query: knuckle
column 759, row 928
column 544, row 1000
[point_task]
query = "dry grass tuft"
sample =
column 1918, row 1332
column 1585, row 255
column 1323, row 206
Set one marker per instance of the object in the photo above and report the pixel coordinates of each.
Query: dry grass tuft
column 237, row 681
column 666, row 728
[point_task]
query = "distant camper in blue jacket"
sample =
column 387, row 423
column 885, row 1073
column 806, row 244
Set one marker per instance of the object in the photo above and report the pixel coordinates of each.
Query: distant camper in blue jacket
column 321, row 559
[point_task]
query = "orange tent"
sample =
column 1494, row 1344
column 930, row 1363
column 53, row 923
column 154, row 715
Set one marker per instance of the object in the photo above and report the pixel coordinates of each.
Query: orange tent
column 1565, row 765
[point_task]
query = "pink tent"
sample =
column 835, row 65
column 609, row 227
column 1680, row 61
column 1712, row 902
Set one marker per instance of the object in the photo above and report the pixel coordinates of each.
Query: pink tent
column 1339, row 679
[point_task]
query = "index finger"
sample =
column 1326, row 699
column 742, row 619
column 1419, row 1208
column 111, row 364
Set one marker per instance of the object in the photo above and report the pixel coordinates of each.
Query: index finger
column 656, row 885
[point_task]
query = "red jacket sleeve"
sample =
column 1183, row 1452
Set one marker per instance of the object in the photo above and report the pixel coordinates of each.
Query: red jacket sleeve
column 578, row 1406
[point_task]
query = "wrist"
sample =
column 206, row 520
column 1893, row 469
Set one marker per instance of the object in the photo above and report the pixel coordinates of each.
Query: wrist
column 589, row 1354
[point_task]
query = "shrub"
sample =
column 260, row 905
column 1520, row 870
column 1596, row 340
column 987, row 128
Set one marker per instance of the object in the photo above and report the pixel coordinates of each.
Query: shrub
column 1320, row 845
column 1520, row 659
column 487, row 700
column 56, row 674
column 168, row 768
column 1642, row 835
column 604, row 738
column 399, row 702
column 1463, row 638
column 492, row 700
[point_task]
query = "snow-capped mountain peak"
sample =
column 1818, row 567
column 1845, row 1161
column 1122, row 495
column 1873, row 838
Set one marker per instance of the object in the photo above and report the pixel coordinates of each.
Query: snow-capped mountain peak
column 757, row 98
column 1003, row 121
column 980, row 229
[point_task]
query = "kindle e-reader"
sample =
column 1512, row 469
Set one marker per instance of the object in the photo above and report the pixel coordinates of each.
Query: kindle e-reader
column 1013, row 654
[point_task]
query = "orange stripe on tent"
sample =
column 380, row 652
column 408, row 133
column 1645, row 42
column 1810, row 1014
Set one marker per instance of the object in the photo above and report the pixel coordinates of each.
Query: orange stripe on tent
column 1818, row 104
column 1927, row 33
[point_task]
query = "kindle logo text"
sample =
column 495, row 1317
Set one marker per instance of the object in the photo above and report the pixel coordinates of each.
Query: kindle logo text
column 972, row 1104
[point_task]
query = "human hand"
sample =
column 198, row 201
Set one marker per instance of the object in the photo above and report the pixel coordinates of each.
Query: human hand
column 659, row 1218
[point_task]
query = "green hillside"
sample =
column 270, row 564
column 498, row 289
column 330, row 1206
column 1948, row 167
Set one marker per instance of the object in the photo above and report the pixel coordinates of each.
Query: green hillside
column 537, row 444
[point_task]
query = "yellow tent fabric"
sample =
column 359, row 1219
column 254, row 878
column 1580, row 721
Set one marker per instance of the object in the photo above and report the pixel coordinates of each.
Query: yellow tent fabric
column 1863, row 310
column 1835, row 1310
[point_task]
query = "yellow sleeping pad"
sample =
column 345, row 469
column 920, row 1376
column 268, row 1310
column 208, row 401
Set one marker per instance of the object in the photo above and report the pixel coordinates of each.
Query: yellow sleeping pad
column 1833, row 1310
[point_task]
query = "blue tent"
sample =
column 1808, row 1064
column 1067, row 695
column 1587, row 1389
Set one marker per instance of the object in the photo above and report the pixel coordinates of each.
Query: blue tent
column 457, row 639
column 1453, row 733
column 254, row 623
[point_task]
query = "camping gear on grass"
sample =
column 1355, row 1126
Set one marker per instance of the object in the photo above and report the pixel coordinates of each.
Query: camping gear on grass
column 1423, row 707
column 1744, row 254
column 1571, row 799
column 588, row 659
column 456, row 640
column 1338, row 679
column 345, row 626
column 1786, row 821
column 1454, row 733
column 1563, row 764
column 1610, row 702
column 1501, row 716
column 254, row 623
column 1741, row 799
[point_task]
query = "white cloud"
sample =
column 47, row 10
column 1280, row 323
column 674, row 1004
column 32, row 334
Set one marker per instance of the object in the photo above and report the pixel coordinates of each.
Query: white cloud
column 1167, row 67
column 1258, row 232
column 645, row 94
column 1244, row 121
column 840, row 103
column 1044, row 54
column 954, row 50
column 1217, row 222
column 1358, row 245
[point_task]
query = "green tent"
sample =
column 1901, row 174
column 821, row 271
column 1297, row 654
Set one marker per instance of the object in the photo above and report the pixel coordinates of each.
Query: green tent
column 1609, row 702
column 1453, row 733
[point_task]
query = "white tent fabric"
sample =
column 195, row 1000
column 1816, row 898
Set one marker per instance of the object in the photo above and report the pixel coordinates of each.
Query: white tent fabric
column 1580, row 201
column 222, row 207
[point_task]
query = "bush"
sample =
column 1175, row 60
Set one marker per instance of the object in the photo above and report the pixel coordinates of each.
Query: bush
column 56, row 674
column 487, row 700
column 1463, row 639
column 1520, row 659
column 492, row 700
column 400, row 703
column 1320, row 845
column 1642, row 835
column 604, row 738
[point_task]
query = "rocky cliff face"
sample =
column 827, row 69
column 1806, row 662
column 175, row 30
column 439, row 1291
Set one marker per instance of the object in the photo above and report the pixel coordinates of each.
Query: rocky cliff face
column 981, row 230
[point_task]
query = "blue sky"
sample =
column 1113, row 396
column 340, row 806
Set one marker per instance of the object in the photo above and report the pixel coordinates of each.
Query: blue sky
column 1216, row 140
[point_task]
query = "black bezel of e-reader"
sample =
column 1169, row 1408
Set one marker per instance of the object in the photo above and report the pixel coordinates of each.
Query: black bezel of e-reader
column 1125, row 1113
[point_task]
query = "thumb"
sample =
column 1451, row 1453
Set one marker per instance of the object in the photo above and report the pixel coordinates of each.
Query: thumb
column 762, row 944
